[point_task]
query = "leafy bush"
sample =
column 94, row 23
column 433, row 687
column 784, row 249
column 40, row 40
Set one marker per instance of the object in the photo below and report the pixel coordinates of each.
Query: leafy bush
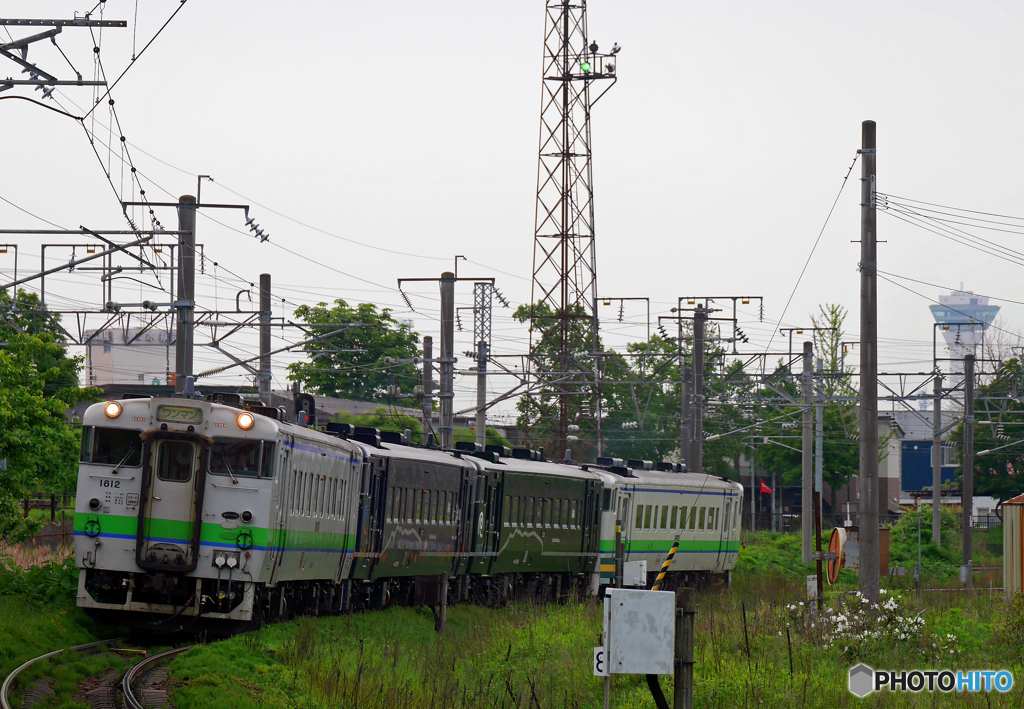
column 46, row 583
column 941, row 562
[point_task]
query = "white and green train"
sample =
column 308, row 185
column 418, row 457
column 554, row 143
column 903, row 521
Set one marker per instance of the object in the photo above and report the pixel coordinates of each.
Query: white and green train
column 220, row 514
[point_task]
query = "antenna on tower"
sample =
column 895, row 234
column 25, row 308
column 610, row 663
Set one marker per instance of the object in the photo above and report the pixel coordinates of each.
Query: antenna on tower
column 563, row 313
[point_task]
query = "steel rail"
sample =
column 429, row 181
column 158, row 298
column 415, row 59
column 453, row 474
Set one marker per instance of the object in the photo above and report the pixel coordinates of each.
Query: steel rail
column 130, row 701
column 5, row 688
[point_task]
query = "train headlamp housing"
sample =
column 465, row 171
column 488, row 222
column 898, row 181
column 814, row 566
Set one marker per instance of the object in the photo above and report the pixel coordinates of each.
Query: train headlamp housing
column 112, row 409
column 245, row 420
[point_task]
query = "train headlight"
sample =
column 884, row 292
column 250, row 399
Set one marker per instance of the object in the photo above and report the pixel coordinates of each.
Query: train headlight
column 247, row 516
column 112, row 409
column 245, row 420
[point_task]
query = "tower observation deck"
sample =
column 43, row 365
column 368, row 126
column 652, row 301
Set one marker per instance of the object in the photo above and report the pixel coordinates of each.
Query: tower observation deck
column 964, row 317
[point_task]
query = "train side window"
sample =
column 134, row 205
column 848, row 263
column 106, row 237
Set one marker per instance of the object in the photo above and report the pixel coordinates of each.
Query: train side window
column 528, row 511
column 390, row 505
column 514, row 514
column 664, row 516
column 341, row 498
column 639, row 516
column 700, row 520
column 317, row 495
column 449, row 497
column 433, row 507
column 295, row 489
column 506, row 511
column 647, row 516
column 693, row 518
column 675, row 511
column 418, row 510
column 573, row 521
column 547, row 512
column 565, row 514
column 606, row 502
column 267, row 463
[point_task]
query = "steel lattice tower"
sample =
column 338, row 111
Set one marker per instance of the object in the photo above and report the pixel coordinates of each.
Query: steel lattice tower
column 564, row 291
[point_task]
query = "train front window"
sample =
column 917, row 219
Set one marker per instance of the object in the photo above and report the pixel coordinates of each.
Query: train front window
column 175, row 460
column 241, row 458
column 111, row 446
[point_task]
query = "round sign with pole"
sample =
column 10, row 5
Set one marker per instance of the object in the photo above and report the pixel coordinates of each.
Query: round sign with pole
column 835, row 547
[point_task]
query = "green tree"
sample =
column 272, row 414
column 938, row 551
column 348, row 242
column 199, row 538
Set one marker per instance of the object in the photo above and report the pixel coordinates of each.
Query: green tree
column 1000, row 416
column 351, row 364
column 384, row 419
column 38, row 383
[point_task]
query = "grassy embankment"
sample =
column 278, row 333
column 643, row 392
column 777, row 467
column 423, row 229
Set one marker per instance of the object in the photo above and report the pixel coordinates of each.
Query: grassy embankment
column 38, row 614
column 528, row 656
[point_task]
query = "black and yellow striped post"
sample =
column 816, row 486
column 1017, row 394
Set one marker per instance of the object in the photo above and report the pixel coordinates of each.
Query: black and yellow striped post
column 652, row 680
column 664, row 566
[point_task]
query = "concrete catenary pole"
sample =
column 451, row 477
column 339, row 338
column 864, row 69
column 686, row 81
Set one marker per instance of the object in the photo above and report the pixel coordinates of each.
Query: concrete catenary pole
column 186, row 305
column 937, row 463
column 265, row 311
column 968, row 491
column 819, row 485
column 684, row 400
column 428, row 385
column 696, row 459
column 868, row 367
column 807, row 459
column 447, row 359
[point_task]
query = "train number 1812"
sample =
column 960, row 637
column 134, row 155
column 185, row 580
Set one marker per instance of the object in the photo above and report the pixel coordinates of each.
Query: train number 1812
column 109, row 483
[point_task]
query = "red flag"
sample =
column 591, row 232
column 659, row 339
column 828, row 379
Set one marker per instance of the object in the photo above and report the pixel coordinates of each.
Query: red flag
column 765, row 489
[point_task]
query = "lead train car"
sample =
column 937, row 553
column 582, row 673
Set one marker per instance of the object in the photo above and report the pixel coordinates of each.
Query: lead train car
column 190, row 510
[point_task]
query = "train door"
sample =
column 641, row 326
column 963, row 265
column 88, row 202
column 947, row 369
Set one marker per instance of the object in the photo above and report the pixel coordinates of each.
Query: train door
column 170, row 514
column 591, row 517
column 463, row 543
column 486, row 523
column 279, row 530
column 373, row 484
column 625, row 517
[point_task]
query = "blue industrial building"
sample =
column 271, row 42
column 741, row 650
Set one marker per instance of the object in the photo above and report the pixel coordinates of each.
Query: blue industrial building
column 916, row 468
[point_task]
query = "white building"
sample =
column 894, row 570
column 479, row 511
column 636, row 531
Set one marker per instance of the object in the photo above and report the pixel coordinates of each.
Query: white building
column 138, row 356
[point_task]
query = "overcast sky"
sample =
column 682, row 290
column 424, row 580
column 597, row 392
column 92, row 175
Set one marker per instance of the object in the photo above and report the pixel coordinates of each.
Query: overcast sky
column 413, row 127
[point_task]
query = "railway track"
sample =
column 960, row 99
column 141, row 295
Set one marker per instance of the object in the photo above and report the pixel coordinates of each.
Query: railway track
column 144, row 684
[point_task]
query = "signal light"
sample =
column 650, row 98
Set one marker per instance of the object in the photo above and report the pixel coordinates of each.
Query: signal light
column 585, row 67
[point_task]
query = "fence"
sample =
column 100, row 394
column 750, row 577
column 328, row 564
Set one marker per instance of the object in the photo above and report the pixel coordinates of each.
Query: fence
column 59, row 531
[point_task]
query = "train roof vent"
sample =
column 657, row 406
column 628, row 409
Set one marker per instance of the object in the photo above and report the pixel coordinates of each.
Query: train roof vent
column 527, row 454
column 621, row 470
column 396, row 437
column 489, row 456
column 640, row 464
column 343, row 430
column 368, row 438
column 366, row 431
column 227, row 398
column 666, row 467
column 468, row 447
column 269, row 411
column 130, row 395
column 608, row 462
column 503, row 451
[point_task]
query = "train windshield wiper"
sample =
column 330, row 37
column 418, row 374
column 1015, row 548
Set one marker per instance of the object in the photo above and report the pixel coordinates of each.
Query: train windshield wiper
column 118, row 466
column 234, row 480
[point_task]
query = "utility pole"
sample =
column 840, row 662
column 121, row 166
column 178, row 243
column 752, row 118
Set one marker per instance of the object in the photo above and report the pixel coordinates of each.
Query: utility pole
column 685, row 405
column 819, row 485
column 968, row 491
column 807, row 459
column 447, row 359
column 937, row 463
column 753, row 496
column 186, row 305
column 265, row 314
column 428, row 385
column 695, row 460
column 482, row 300
column 869, row 555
